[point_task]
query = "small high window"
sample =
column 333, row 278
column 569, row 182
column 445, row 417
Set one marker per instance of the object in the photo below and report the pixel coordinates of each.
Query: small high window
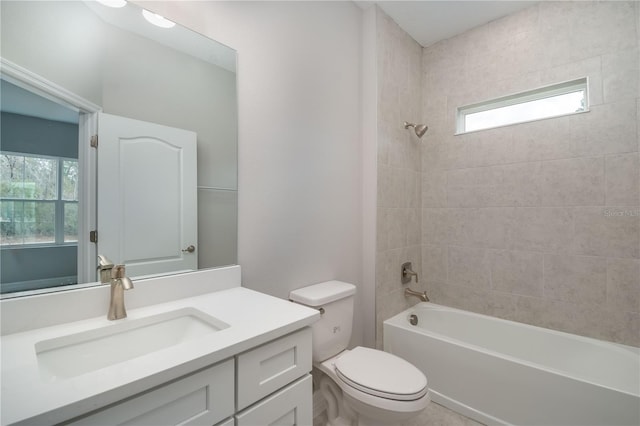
column 551, row 101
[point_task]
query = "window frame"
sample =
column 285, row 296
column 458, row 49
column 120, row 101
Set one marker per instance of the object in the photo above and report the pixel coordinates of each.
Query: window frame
column 59, row 204
column 571, row 86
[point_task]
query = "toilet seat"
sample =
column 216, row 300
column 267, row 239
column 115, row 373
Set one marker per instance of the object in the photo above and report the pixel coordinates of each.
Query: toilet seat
column 381, row 374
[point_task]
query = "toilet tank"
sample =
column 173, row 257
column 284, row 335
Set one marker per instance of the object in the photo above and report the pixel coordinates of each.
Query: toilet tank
column 331, row 334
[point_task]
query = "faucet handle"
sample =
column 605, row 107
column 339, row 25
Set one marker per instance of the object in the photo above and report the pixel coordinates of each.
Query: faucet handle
column 118, row 271
column 105, row 266
column 407, row 273
column 104, row 262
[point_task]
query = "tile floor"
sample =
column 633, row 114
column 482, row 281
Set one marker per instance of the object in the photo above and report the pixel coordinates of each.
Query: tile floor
column 434, row 415
column 437, row 415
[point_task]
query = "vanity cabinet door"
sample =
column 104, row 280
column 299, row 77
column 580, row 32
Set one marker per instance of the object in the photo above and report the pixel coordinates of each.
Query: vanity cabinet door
column 203, row 398
column 269, row 367
column 289, row 406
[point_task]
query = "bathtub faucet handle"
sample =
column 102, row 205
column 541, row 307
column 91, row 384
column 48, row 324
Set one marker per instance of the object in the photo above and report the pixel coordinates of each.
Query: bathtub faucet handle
column 407, row 273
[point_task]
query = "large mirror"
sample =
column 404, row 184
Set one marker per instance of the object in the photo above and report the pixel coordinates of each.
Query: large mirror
column 160, row 189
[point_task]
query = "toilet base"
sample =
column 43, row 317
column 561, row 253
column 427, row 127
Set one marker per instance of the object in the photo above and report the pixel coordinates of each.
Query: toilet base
column 345, row 410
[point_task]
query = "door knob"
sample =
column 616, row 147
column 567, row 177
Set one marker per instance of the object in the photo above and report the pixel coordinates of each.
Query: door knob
column 189, row 249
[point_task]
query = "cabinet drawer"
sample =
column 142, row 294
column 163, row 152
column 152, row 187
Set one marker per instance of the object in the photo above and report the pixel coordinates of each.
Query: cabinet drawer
column 203, row 398
column 265, row 369
column 290, row 406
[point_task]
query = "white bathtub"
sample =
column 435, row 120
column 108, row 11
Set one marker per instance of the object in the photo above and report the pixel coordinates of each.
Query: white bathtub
column 504, row 372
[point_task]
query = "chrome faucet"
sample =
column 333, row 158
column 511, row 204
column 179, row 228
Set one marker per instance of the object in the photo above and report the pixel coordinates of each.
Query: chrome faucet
column 115, row 275
column 119, row 283
column 422, row 295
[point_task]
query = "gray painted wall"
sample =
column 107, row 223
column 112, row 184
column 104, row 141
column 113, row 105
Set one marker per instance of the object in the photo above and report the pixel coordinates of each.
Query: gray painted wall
column 31, row 135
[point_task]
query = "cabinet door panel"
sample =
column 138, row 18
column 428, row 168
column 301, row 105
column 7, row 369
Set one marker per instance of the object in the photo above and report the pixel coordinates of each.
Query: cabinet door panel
column 287, row 407
column 267, row 368
column 203, row 398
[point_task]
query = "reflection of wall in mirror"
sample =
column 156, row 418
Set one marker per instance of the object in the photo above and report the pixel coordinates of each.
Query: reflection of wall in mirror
column 138, row 78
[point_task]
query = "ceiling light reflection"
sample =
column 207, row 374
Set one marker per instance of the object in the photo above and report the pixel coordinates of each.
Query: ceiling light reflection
column 157, row 20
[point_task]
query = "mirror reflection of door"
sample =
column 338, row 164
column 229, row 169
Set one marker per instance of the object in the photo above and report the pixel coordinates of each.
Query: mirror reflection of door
column 147, row 203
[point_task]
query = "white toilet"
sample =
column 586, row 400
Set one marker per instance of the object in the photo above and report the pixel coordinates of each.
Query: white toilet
column 362, row 386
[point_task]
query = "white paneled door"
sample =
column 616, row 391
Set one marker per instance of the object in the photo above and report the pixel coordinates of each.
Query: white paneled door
column 147, row 196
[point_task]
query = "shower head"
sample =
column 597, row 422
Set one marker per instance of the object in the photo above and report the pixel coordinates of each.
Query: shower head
column 420, row 129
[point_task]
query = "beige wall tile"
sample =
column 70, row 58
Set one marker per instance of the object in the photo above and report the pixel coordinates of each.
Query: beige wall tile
column 480, row 227
column 387, row 271
column 399, row 215
column 577, row 279
column 469, row 267
column 607, row 231
column 620, row 75
column 550, row 139
column 499, row 304
column 480, row 176
column 434, row 263
column 510, row 185
column 573, row 182
column 435, row 150
column 598, row 28
column 623, row 284
column 623, row 179
column 398, row 228
column 476, row 187
column 523, row 184
column 517, row 272
column 596, row 321
column 434, row 188
column 435, row 226
column 611, row 129
column 554, row 314
column 413, row 220
column 389, row 194
column 541, row 229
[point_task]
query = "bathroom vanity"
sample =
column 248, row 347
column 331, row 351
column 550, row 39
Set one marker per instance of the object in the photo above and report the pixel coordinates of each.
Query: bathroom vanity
column 232, row 356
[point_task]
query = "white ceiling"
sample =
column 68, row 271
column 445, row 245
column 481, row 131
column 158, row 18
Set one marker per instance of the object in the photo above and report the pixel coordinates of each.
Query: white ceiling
column 430, row 21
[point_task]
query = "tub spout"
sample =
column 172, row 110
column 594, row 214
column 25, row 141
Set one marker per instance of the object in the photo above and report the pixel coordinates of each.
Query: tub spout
column 422, row 295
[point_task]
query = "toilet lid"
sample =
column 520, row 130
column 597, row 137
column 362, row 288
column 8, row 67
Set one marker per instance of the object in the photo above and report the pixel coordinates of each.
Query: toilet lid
column 381, row 374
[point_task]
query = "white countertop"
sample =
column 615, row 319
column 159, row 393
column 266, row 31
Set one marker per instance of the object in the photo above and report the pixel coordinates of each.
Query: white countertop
column 28, row 397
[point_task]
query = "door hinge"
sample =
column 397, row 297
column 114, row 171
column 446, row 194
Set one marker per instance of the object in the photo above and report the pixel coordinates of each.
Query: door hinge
column 93, row 236
column 94, row 141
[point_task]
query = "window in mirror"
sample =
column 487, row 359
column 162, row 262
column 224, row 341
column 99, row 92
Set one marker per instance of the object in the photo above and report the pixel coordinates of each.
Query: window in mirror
column 38, row 200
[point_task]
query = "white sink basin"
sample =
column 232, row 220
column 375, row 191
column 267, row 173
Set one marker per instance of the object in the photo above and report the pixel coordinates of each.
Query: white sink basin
column 80, row 353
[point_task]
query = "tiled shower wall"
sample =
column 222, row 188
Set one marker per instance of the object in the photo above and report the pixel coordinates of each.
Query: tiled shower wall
column 399, row 212
column 535, row 222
